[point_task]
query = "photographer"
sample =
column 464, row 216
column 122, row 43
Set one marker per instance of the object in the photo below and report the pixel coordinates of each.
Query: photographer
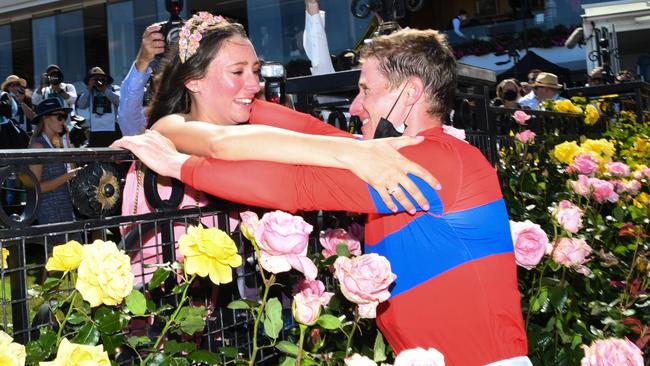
column 103, row 103
column 52, row 86
column 131, row 113
column 15, row 113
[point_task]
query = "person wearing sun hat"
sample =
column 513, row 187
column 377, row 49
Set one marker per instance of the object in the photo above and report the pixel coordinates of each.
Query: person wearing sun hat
column 546, row 86
column 50, row 133
column 15, row 113
column 102, row 104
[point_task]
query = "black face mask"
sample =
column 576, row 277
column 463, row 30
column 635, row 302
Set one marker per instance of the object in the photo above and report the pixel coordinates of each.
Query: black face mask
column 510, row 95
column 385, row 128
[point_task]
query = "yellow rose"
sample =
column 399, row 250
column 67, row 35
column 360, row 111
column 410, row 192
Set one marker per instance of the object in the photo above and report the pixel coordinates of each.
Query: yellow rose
column 209, row 252
column 65, row 257
column 11, row 354
column 600, row 147
column 565, row 152
column 641, row 200
column 72, row 354
column 104, row 275
column 591, row 115
column 5, row 254
column 562, row 106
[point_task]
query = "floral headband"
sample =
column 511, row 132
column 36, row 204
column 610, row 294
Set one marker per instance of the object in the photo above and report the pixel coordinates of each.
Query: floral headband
column 191, row 33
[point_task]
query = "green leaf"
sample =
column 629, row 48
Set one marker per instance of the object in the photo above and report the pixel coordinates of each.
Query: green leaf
column 151, row 305
column 76, row 318
column 108, row 320
column 112, row 342
column 175, row 361
column 159, row 276
column 273, row 318
column 379, row 348
column 288, row 361
column 287, row 347
column 229, row 352
column 205, row 357
column 136, row 341
column 51, row 283
column 47, row 340
column 342, row 250
column 136, row 303
column 178, row 289
column 193, row 321
column 35, row 353
column 88, row 334
column 558, row 297
column 239, row 305
column 172, row 347
column 328, row 321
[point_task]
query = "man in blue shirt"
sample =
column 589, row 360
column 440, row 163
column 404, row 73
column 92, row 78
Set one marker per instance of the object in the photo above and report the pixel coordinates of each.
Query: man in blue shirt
column 131, row 113
column 546, row 86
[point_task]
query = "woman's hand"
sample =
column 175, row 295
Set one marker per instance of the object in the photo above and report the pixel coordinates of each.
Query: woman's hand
column 155, row 151
column 385, row 169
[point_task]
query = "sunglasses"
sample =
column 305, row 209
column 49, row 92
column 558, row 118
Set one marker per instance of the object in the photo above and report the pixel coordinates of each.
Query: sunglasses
column 59, row 116
column 12, row 85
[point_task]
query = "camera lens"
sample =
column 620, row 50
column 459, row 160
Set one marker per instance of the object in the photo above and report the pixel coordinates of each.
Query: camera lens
column 100, row 81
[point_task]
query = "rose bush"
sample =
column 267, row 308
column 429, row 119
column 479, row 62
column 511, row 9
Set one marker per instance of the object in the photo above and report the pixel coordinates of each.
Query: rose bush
column 591, row 196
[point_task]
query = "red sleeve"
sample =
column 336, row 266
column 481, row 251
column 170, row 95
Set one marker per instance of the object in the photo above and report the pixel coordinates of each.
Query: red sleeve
column 281, row 186
column 276, row 115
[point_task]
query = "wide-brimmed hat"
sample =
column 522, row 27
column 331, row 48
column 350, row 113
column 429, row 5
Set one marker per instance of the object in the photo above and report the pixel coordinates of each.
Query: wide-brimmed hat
column 546, row 79
column 95, row 71
column 47, row 106
column 13, row 79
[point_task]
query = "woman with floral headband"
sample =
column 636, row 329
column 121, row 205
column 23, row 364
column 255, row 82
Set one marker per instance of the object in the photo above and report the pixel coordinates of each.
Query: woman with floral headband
column 212, row 75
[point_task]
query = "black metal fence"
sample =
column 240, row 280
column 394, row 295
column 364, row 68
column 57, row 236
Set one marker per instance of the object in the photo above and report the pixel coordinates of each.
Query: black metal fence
column 150, row 237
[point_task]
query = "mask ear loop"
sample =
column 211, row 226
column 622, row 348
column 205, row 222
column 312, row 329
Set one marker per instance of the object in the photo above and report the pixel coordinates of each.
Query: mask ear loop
column 395, row 103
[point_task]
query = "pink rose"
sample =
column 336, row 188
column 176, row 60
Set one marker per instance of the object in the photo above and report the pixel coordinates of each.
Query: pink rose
column 526, row 137
column 571, row 252
column 569, row 216
column 455, row 132
column 420, row 357
column 307, row 302
column 358, row 360
column 521, row 117
column 330, row 239
column 617, row 169
column 602, row 190
column 282, row 239
column 249, row 224
column 632, row 187
column 364, row 281
column 585, row 163
column 530, row 243
column 612, row 351
column 581, row 186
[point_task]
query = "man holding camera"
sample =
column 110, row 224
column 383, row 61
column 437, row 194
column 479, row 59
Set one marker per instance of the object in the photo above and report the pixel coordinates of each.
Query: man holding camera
column 102, row 103
column 15, row 114
column 52, row 86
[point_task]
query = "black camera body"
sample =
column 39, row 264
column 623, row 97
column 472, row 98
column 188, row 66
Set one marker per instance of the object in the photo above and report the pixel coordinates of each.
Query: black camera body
column 171, row 28
column 55, row 77
column 100, row 81
column 274, row 76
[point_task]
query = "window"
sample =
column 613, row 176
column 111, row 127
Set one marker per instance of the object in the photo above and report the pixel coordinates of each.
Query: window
column 59, row 39
column 6, row 63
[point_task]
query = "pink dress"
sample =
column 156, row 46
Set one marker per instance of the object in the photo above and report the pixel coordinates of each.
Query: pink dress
column 148, row 250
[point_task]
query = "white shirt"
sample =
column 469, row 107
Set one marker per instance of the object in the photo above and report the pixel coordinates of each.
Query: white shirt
column 530, row 100
column 314, row 40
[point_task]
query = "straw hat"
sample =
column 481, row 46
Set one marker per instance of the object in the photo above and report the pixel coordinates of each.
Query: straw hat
column 546, row 79
column 13, row 79
column 96, row 71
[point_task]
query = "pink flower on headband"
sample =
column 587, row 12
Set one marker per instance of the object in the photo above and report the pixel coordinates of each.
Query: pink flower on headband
column 192, row 33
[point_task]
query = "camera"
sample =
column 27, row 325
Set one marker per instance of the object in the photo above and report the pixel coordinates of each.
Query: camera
column 99, row 82
column 171, row 28
column 274, row 82
column 55, row 77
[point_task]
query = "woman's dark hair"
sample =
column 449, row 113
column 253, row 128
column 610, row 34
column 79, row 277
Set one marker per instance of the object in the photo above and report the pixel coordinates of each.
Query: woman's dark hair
column 171, row 96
